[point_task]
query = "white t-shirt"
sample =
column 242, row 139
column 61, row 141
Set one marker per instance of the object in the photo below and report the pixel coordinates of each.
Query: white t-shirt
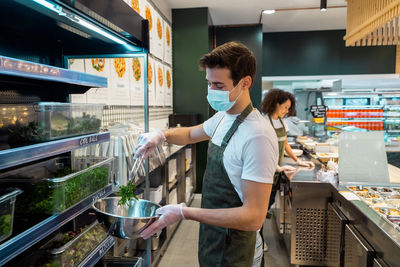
column 252, row 153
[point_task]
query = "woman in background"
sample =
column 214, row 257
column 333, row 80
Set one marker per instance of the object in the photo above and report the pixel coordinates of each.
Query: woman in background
column 275, row 106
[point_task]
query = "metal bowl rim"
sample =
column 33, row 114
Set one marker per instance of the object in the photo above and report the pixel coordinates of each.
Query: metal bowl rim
column 123, row 217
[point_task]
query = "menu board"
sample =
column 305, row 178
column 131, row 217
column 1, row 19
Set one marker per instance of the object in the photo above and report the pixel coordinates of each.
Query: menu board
column 167, row 43
column 100, row 67
column 160, row 83
column 168, row 87
column 77, row 65
column 158, row 43
column 119, row 82
column 148, row 14
column 151, row 81
column 136, row 79
column 136, row 5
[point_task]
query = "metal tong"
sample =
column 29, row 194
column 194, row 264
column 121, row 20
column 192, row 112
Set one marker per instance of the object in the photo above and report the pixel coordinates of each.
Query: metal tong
column 136, row 165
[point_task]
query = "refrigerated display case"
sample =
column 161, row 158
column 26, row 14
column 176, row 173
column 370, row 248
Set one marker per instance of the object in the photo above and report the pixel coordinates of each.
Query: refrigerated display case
column 373, row 112
column 33, row 69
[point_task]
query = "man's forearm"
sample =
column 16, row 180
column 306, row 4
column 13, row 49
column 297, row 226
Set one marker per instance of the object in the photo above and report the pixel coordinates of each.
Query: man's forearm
column 178, row 136
column 240, row 218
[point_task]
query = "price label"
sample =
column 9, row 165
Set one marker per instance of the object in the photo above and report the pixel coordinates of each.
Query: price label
column 88, row 140
column 104, row 248
column 318, row 111
column 98, row 195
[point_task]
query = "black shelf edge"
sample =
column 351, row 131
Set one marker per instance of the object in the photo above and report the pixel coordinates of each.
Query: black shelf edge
column 98, row 253
column 25, row 69
column 28, row 238
column 21, row 155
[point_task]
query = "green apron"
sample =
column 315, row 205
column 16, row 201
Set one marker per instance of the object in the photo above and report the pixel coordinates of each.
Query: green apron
column 281, row 134
column 223, row 247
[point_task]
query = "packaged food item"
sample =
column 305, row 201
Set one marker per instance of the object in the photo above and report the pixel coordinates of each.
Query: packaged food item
column 71, row 248
column 7, row 201
column 56, row 184
column 28, row 124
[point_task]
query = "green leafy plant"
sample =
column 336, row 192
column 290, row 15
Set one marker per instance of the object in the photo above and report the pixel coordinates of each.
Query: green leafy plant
column 48, row 197
column 5, row 224
column 127, row 193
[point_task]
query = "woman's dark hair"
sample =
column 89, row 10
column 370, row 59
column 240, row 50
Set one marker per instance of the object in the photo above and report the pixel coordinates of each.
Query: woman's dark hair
column 234, row 56
column 275, row 97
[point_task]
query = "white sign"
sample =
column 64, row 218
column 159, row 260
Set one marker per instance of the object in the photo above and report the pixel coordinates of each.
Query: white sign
column 168, row 89
column 167, row 43
column 119, row 82
column 160, row 83
column 100, row 67
column 151, row 81
column 136, row 81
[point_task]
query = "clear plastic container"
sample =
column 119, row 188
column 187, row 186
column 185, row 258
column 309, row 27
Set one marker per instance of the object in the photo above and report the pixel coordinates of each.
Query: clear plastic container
column 7, row 201
column 56, row 184
column 44, row 121
column 60, row 254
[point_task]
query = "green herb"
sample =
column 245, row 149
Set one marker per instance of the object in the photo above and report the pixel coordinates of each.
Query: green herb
column 127, row 193
column 5, row 225
column 21, row 134
column 48, row 197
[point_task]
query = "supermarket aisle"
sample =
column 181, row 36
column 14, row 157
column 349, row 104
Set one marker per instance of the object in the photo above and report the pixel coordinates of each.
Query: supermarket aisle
column 182, row 250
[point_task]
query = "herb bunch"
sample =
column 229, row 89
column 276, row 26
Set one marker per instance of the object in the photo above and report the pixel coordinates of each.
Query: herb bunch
column 127, row 193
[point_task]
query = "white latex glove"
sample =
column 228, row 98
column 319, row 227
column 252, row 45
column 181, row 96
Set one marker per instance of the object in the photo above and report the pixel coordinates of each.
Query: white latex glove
column 148, row 142
column 308, row 164
column 169, row 214
column 286, row 168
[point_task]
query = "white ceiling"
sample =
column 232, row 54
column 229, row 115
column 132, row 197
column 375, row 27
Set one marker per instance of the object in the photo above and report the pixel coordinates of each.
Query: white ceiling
column 231, row 12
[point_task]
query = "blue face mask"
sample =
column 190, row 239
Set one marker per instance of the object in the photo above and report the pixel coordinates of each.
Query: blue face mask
column 219, row 100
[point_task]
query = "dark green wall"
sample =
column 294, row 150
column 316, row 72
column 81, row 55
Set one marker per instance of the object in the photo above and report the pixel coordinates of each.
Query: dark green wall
column 190, row 31
column 252, row 37
column 322, row 53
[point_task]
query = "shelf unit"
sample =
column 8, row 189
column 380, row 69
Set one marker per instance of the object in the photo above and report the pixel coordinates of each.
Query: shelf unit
column 49, row 32
column 26, row 154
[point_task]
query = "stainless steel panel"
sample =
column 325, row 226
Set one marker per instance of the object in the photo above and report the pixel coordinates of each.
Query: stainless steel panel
column 357, row 252
column 309, row 230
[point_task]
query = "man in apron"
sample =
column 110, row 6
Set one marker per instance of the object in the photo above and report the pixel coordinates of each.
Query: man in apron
column 242, row 158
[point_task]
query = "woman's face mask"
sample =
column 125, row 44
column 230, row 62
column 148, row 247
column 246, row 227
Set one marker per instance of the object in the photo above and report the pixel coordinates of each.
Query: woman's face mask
column 219, row 100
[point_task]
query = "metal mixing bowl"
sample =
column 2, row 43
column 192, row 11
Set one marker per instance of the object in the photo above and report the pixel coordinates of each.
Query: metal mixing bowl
column 127, row 221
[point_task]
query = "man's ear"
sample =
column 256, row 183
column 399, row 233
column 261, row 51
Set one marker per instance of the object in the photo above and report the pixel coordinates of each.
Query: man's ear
column 247, row 82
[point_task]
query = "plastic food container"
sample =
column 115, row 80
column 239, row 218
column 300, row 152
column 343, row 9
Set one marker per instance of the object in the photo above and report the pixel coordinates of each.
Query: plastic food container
column 110, row 261
column 7, row 201
column 73, row 252
column 56, row 184
column 44, row 121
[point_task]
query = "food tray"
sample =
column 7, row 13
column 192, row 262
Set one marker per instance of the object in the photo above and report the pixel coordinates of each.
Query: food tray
column 325, row 157
column 45, row 121
column 60, row 254
column 50, row 187
column 7, row 201
column 386, row 201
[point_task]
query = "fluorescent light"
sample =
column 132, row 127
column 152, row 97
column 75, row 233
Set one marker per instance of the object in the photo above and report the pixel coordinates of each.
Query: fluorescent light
column 49, row 5
column 99, row 30
column 269, row 11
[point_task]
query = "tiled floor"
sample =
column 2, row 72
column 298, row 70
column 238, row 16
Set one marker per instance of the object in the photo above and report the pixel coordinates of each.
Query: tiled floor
column 182, row 250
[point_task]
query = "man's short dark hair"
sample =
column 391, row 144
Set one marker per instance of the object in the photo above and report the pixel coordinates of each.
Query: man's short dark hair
column 234, row 56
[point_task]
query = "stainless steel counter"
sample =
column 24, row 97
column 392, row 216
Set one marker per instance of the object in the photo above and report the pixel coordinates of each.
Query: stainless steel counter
column 317, row 239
